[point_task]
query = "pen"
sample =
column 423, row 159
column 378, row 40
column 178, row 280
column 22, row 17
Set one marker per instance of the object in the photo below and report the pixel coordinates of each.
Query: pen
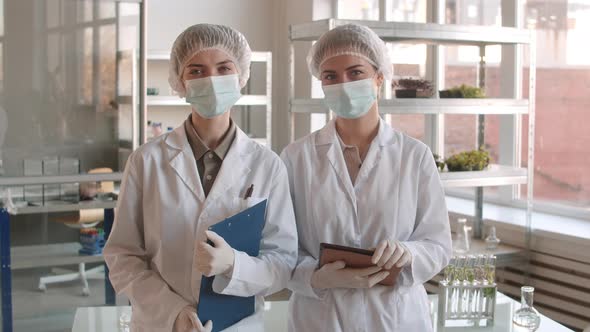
column 249, row 192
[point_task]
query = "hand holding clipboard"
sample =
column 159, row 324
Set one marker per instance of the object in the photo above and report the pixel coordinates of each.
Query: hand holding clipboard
column 242, row 232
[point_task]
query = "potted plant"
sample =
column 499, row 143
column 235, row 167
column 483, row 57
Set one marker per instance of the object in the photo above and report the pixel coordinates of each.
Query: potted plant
column 440, row 164
column 413, row 88
column 475, row 160
column 462, row 91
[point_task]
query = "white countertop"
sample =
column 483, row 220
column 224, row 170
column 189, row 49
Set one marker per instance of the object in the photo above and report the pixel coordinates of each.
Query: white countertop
column 106, row 319
column 505, row 307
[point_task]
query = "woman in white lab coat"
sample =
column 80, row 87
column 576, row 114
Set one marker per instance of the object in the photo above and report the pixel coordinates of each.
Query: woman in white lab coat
column 179, row 184
column 357, row 182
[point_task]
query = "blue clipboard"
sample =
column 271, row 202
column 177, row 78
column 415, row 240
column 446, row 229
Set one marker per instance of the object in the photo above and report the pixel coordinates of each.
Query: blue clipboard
column 242, row 232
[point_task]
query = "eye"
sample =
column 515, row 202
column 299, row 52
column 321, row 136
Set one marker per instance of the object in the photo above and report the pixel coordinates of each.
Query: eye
column 224, row 69
column 329, row 77
column 195, row 72
column 355, row 73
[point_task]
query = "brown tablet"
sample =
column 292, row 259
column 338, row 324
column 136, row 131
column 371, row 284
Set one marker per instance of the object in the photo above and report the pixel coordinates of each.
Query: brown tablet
column 355, row 258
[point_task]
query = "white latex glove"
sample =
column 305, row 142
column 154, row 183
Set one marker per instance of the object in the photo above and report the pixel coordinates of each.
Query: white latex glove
column 187, row 321
column 336, row 275
column 388, row 254
column 216, row 259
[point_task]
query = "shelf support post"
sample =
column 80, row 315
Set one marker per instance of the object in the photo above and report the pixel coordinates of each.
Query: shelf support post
column 6, row 273
column 478, row 222
column 434, row 130
column 109, row 291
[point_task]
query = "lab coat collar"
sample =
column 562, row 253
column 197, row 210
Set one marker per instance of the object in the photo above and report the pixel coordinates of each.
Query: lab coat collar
column 234, row 166
column 328, row 134
column 327, row 140
column 182, row 160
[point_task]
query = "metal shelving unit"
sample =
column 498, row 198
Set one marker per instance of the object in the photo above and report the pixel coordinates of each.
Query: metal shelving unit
column 494, row 175
column 427, row 106
column 246, row 100
column 419, row 33
column 442, row 34
column 124, row 23
column 53, row 254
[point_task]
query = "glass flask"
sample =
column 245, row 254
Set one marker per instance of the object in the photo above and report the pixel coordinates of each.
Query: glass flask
column 461, row 243
column 527, row 317
column 492, row 241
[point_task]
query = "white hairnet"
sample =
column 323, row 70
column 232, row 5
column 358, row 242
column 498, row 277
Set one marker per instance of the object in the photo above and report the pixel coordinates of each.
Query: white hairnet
column 350, row 39
column 201, row 37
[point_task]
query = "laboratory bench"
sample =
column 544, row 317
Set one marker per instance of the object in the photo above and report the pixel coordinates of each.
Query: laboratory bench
column 108, row 319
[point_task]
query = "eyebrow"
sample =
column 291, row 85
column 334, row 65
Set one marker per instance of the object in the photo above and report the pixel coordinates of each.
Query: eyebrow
column 349, row 68
column 217, row 64
column 353, row 67
column 223, row 62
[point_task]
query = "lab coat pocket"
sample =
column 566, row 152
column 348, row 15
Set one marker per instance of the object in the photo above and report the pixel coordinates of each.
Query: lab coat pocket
column 241, row 204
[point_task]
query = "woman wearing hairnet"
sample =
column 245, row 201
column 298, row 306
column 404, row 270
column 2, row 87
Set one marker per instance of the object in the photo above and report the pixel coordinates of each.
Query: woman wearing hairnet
column 357, row 182
column 181, row 183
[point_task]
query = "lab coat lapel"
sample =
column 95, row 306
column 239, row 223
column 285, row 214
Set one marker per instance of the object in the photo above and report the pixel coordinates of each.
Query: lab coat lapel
column 182, row 160
column 234, row 166
column 327, row 140
column 384, row 137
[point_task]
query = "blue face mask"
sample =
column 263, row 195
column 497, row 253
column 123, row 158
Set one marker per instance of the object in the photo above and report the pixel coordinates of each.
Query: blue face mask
column 214, row 95
column 350, row 100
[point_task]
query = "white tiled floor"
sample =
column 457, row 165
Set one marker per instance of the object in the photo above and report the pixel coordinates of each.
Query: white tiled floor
column 53, row 310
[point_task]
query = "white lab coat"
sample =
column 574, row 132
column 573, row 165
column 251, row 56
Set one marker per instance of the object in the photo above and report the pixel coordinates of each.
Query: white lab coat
column 162, row 210
column 398, row 195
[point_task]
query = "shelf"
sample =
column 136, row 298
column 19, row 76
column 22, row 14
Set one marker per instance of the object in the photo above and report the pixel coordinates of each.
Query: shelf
column 246, row 100
column 59, row 179
column 65, row 207
column 159, row 55
column 49, row 255
column 428, row 106
column 505, row 255
column 495, row 175
column 429, row 33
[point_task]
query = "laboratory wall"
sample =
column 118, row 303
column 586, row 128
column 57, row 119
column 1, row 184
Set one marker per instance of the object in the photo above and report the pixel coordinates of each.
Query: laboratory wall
column 167, row 19
column 63, row 70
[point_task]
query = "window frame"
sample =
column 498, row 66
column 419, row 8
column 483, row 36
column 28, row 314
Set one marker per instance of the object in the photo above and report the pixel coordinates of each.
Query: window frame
column 510, row 149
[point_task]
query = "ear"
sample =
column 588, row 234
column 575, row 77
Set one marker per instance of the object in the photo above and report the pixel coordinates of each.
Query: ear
column 379, row 80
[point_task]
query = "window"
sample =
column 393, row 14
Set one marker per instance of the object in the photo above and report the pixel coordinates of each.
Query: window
column 562, row 138
column 563, row 64
column 408, row 60
column 562, row 142
column 358, row 10
column 462, row 67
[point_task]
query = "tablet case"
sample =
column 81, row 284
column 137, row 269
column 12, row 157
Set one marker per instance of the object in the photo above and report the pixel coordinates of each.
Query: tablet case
column 354, row 258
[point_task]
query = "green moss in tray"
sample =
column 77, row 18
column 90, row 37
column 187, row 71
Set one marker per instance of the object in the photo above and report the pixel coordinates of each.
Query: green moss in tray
column 476, row 160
